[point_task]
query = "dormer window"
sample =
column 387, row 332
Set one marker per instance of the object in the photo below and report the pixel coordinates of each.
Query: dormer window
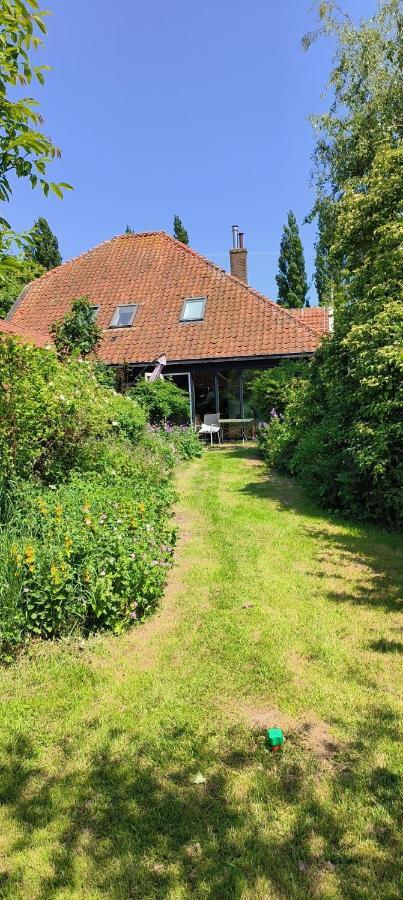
column 193, row 309
column 124, row 316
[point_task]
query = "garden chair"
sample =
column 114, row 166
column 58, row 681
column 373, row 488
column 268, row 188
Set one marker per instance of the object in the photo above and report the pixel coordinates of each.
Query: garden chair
column 211, row 425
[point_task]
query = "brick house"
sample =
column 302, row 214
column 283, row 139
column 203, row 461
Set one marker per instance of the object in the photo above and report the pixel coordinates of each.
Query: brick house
column 153, row 296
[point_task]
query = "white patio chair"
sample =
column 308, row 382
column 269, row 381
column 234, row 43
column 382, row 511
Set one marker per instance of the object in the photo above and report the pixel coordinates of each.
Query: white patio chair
column 211, row 425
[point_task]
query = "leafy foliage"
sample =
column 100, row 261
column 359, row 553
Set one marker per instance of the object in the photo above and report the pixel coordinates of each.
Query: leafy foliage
column 78, row 331
column 291, row 281
column 14, row 278
column 343, row 432
column 323, row 272
column 43, row 247
column 24, row 150
column 49, row 411
column 181, row 439
column 180, row 232
column 269, row 390
column 85, row 530
column 162, row 400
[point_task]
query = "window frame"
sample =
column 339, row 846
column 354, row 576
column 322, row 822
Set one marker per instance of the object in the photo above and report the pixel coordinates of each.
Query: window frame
column 193, row 300
column 114, row 320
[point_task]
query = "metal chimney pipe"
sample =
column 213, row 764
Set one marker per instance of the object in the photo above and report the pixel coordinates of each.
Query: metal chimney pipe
column 240, row 240
column 235, row 237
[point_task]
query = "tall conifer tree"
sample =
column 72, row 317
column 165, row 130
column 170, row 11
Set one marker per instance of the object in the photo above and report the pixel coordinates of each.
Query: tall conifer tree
column 44, row 248
column 180, row 232
column 291, row 280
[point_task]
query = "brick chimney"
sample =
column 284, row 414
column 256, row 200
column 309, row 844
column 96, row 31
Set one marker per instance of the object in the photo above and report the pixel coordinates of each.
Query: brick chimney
column 238, row 256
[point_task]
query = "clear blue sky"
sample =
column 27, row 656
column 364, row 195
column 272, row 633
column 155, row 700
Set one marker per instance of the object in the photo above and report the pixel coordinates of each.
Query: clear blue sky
column 198, row 108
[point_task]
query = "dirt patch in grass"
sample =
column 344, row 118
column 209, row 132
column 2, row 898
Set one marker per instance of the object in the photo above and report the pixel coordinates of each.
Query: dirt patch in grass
column 306, row 731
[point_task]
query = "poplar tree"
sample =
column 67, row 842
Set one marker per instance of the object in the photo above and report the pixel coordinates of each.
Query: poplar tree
column 180, row 232
column 44, row 246
column 291, row 280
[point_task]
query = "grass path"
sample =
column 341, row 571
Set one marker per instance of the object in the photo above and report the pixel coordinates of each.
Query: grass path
column 135, row 767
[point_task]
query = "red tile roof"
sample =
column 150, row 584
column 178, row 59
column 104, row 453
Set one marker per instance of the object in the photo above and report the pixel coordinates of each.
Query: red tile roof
column 159, row 273
column 317, row 317
column 40, row 338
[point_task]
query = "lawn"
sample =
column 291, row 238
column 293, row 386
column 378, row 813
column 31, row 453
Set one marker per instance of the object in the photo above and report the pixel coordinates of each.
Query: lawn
column 135, row 766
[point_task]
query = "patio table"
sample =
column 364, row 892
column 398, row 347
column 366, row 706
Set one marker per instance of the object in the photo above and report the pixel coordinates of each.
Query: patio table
column 240, row 422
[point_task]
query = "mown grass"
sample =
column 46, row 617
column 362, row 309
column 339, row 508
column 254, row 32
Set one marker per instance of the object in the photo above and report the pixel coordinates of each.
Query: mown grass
column 276, row 614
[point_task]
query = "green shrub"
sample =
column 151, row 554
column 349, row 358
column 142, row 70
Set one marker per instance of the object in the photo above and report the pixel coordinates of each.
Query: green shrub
column 270, row 390
column 48, row 412
column 92, row 553
column 342, row 429
column 162, row 401
column 182, row 441
column 86, row 492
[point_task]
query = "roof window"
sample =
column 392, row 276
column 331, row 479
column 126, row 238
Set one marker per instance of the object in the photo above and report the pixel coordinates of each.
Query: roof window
column 193, row 309
column 124, row 316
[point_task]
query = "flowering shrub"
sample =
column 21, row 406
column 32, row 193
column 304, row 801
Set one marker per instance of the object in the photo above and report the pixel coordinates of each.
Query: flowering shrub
column 181, row 439
column 49, row 411
column 86, row 535
column 88, row 554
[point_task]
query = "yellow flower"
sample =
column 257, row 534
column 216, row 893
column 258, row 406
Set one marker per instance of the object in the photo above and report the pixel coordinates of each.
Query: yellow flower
column 86, row 508
column 29, row 555
column 141, row 508
column 133, row 522
column 87, row 522
column 55, row 574
column 68, row 543
column 86, row 576
column 42, row 506
column 58, row 512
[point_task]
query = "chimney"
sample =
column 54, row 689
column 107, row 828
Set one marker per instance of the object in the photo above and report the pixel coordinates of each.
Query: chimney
column 238, row 255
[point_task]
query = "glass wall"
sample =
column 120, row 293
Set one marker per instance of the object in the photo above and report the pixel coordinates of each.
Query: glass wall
column 204, row 385
column 229, row 387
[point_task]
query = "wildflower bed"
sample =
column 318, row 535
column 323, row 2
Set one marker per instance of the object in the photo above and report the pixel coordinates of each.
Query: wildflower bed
column 86, row 534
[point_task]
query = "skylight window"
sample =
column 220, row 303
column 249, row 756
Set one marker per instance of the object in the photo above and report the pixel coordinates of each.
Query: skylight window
column 94, row 310
column 124, row 316
column 193, row 309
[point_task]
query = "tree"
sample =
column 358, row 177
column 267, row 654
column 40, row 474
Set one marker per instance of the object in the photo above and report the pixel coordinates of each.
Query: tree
column 291, row 280
column 25, row 152
column 323, row 275
column 129, row 230
column 78, row 331
column 180, row 232
column 343, row 432
column 43, row 247
column 14, row 279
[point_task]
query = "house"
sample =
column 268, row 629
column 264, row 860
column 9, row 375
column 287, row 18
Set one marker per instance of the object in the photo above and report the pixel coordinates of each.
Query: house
column 154, row 296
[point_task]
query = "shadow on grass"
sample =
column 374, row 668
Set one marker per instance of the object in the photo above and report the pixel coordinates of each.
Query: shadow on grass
column 141, row 827
column 341, row 544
